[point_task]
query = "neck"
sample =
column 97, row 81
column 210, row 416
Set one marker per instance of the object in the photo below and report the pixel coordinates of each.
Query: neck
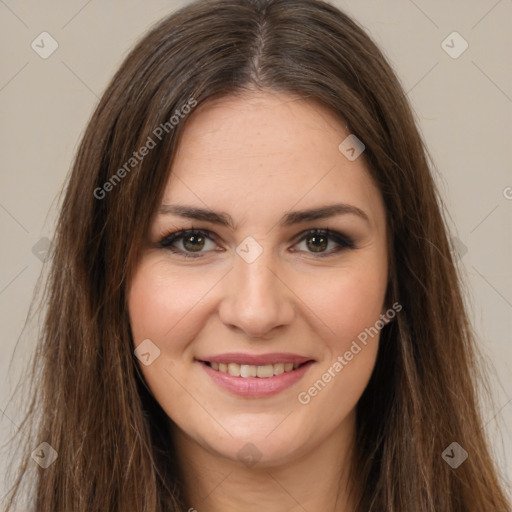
column 318, row 480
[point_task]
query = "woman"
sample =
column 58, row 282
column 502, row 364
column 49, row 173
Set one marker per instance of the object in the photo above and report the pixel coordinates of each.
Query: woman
column 252, row 303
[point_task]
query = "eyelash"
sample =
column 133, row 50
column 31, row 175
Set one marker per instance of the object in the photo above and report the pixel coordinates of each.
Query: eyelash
column 343, row 241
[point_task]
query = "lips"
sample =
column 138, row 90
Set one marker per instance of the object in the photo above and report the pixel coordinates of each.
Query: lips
column 252, row 375
column 256, row 360
column 249, row 370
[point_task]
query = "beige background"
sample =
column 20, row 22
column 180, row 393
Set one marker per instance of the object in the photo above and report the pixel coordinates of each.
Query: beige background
column 463, row 106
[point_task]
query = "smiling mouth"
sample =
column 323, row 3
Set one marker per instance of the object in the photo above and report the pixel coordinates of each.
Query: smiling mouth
column 249, row 370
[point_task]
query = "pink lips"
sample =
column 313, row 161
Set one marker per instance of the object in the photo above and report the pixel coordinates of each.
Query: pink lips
column 256, row 387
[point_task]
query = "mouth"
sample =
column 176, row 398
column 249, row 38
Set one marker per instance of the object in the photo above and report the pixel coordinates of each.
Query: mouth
column 255, row 376
column 249, row 370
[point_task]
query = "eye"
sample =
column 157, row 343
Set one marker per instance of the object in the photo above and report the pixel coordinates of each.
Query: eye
column 193, row 243
column 324, row 242
column 189, row 241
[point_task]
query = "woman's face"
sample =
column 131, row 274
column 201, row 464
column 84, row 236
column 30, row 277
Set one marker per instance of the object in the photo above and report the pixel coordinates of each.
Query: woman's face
column 253, row 292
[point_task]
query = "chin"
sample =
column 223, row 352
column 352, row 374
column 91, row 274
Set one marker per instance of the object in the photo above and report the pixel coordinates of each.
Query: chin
column 255, row 441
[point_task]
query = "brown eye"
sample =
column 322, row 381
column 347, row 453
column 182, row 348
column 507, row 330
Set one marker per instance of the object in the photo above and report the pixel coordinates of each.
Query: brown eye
column 323, row 242
column 317, row 243
column 189, row 242
column 193, row 242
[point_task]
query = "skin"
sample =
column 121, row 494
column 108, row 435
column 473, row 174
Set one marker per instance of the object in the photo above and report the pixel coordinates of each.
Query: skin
column 256, row 157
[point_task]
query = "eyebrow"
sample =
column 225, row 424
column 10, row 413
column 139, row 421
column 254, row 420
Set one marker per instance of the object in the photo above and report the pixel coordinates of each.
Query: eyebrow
column 289, row 219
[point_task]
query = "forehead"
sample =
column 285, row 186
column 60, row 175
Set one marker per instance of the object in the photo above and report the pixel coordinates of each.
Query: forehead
column 265, row 153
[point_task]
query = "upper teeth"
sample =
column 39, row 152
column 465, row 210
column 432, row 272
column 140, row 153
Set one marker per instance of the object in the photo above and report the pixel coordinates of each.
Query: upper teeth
column 249, row 370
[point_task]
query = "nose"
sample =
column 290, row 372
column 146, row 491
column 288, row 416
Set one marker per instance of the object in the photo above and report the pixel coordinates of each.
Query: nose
column 257, row 299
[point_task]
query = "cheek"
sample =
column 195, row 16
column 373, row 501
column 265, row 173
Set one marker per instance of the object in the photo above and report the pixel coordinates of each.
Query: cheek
column 349, row 306
column 161, row 302
column 160, row 299
column 347, row 301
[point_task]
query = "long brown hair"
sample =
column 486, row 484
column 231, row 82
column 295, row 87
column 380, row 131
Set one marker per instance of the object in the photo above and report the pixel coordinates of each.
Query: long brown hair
column 90, row 401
